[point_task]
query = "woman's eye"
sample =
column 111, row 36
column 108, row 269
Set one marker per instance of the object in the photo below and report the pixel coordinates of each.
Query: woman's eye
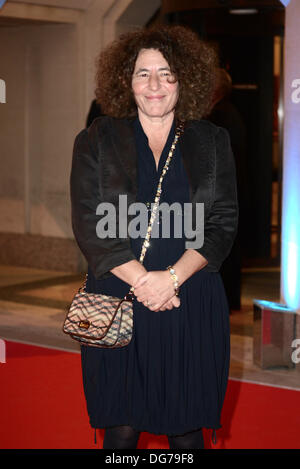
column 165, row 75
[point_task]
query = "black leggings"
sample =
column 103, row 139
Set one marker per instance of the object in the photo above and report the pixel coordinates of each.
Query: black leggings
column 125, row 437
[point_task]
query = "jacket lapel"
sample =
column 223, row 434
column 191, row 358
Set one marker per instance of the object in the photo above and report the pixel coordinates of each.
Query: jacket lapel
column 196, row 148
column 125, row 147
column 186, row 147
column 195, row 145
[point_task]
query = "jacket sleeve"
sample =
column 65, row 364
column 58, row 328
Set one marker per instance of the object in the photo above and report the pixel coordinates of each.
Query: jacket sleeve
column 102, row 254
column 220, row 225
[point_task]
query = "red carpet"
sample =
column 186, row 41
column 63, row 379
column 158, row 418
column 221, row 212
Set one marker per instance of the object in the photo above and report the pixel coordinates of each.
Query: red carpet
column 42, row 406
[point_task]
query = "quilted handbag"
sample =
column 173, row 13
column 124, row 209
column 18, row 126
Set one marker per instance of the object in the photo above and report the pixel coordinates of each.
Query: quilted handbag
column 105, row 321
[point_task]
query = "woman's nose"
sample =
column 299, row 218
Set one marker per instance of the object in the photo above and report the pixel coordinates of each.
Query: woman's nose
column 154, row 82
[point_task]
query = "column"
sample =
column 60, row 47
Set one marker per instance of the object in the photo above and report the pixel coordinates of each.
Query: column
column 290, row 248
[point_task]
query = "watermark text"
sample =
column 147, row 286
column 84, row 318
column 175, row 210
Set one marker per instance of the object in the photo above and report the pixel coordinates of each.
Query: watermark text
column 2, row 351
column 296, row 353
column 171, row 220
column 2, row 91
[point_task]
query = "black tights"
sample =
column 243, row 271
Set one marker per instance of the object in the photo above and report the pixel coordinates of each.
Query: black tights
column 125, row 437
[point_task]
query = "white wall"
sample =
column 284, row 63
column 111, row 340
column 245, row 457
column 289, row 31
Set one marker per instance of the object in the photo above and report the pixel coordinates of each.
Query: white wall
column 38, row 123
column 12, row 131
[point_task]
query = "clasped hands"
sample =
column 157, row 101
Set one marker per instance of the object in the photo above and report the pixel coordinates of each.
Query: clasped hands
column 155, row 290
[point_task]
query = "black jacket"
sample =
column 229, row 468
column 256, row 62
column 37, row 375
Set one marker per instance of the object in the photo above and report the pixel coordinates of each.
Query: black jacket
column 104, row 165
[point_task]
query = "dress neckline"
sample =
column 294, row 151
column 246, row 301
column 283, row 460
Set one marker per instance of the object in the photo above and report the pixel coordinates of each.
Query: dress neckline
column 144, row 140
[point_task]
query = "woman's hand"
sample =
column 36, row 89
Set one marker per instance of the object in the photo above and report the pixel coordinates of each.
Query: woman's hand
column 174, row 302
column 156, row 288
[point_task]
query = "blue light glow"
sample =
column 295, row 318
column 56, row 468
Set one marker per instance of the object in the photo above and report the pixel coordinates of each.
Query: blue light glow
column 271, row 305
column 2, row 3
column 290, row 249
column 285, row 2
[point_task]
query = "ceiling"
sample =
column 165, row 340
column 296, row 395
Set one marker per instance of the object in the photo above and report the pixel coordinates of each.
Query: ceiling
column 13, row 22
column 75, row 4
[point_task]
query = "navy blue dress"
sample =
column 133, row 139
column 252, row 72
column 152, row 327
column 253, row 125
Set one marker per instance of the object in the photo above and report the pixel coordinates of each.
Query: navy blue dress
column 172, row 377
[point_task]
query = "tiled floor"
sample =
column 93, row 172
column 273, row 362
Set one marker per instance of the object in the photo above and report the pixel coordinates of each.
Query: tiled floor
column 33, row 305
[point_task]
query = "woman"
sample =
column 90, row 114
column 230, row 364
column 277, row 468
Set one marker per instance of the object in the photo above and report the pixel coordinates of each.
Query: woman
column 171, row 378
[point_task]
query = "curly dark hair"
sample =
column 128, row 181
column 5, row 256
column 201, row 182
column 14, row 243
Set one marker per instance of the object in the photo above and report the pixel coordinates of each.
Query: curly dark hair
column 192, row 61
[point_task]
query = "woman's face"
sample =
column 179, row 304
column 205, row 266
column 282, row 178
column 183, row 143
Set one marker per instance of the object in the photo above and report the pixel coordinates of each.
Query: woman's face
column 154, row 95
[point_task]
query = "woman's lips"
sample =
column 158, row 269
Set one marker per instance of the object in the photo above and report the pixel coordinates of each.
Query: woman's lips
column 154, row 97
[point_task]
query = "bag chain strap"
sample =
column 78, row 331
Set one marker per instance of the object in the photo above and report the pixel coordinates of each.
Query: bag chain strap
column 179, row 130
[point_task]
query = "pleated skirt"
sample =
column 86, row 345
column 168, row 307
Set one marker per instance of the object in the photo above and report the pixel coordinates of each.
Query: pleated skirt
column 172, row 377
